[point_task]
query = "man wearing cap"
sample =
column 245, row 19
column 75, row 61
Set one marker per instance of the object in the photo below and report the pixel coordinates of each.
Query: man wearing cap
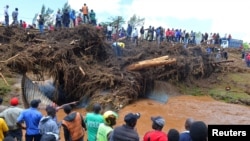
column 157, row 134
column 126, row 132
column 10, row 115
column 31, row 117
column 92, row 121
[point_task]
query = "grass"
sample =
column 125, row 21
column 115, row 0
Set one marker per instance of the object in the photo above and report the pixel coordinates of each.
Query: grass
column 239, row 92
column 6, row 89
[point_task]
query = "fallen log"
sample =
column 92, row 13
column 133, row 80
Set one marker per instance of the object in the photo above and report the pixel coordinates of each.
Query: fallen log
column 165, row 60
column 224, row 61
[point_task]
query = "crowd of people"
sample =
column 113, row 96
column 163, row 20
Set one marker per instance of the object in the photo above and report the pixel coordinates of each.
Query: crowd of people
column 94, row 125
column 66, row 18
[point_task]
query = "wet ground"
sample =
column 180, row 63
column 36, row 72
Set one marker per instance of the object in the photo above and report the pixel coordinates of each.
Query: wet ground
column 178, row 108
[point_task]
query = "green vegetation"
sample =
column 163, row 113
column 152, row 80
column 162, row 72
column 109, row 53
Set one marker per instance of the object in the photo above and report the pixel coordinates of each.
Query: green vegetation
column 239, row 92
column 4, row 88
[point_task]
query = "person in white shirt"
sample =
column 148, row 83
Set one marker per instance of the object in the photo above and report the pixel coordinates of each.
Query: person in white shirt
column 6, row 15
column 109, row 29
column 135, row 36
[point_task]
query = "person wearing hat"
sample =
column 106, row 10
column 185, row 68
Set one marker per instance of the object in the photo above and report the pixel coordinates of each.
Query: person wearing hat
column 92, row 121
column 73, row 125
column 104, row 129
column 157, row 134
column 126, row 132
column 31, row 117
column 10, row 115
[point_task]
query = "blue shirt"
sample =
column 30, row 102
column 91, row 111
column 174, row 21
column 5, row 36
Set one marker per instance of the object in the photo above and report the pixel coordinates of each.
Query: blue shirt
column 185, row 136
column 31, row 117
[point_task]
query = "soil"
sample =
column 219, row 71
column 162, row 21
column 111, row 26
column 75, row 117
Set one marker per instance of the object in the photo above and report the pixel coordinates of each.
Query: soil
column 104, row 77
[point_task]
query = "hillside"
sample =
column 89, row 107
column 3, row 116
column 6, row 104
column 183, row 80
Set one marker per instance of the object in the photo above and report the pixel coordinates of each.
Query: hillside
column 84, row 66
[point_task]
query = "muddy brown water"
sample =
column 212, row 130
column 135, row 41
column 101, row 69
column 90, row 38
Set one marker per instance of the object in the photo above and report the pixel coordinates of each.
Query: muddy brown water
column 177, row 109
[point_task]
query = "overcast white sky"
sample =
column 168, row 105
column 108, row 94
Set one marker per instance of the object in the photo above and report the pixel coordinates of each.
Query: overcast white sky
column 222, row 16
column 217, row 16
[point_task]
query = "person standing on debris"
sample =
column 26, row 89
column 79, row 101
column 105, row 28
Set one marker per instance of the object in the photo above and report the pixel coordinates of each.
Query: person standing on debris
column 157, row 134
column 142, row 33
column 218, row 55
column 85, row 11
column 135, row 36
column 6, row 15
column 92, row 121
column 73, row 125
column 248, row 60
column 41, row 23
column 66, row 18
column 79, row 19
column 58, row 19
column 127, row 131
column 104, row 129
column 109, row 29
column 31, row 117
column 10, row 115
column 92, row 17
column 72, row 18
column 129, row 32
column 117, row 47
column 15, row 17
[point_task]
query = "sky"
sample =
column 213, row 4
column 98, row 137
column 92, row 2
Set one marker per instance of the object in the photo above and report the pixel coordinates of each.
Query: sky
column 211, row 16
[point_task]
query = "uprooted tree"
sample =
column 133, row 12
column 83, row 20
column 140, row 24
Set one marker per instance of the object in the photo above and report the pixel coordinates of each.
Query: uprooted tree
column 88, row 70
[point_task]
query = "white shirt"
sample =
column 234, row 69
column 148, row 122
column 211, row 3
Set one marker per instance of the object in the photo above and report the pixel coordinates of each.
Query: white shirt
column 135, row 33
column 6, row 13
column 109, row 28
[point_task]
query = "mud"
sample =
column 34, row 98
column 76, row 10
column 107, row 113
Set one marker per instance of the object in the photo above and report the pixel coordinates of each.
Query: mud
column 178, row 108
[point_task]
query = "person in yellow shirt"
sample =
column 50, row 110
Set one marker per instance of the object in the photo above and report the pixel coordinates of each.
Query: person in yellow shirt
column 3, row 129
column 85, row 11
column 117, row 47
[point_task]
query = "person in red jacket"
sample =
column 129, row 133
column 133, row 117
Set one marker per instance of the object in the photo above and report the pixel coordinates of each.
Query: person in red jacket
column 24, row 25
column 157, row 134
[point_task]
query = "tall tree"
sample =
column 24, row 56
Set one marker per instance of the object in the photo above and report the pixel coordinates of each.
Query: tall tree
column 47, row 15
column 34, row 20
column 117, row 21
column 66, row 6
column 136, row 21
